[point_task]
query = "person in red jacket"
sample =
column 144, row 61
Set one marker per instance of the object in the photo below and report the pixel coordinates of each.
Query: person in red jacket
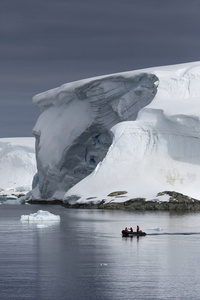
column 126, row 229
column 138, row 228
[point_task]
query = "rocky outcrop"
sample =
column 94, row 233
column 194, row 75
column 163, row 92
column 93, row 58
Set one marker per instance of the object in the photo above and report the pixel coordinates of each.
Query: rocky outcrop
column 177, row 202
column 140, row 204
column 117, row 193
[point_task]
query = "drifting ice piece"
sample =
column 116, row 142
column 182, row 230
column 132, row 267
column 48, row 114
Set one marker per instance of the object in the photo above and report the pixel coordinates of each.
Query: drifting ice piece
column 40, row 215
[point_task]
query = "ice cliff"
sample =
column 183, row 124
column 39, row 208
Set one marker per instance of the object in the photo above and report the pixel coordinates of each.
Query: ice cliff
column 73, row 131
column 137, row 131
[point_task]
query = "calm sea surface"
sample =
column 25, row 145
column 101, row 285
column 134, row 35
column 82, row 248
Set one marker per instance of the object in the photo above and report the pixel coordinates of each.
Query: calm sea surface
column 85, row 257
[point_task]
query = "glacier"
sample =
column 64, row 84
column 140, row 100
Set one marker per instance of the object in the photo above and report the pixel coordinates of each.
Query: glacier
column 136, row 131
column 17, row 167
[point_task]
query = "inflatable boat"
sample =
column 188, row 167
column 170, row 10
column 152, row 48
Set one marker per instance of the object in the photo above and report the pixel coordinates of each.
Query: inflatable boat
column 133, row 233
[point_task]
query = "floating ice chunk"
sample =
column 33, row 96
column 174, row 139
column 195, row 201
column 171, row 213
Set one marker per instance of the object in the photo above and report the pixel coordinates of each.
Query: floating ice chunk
column 6, row 198
column 156, row 228
column 11, row 199
column 40, row 215
column 14, row 201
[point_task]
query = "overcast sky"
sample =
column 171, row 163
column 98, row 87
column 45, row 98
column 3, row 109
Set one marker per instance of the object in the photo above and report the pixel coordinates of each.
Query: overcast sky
column 45, row 43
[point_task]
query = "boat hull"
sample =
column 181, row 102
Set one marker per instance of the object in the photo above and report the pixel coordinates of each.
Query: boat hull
column 126, row 233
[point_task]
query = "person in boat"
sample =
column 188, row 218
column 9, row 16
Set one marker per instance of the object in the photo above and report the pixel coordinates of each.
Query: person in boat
column 131, row 229
column 138, row 228
column 126, row 229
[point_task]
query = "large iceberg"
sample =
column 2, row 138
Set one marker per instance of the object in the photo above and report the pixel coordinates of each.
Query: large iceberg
column 73, row 131
column 136, row 131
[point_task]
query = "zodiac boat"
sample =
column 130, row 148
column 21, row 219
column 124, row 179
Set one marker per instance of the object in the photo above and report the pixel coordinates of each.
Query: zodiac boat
column 126, row 233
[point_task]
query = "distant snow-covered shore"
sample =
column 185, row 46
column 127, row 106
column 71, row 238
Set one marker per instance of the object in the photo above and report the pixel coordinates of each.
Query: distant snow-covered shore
column 17, row 166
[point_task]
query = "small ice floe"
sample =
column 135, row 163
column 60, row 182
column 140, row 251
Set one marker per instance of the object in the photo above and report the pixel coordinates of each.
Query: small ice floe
column 103, row 264
column 40, row 215
column 11, row 199
column 14, row 201
column 156, row 228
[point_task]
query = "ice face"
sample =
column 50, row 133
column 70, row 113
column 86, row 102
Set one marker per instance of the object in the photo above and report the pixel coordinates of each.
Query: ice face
column 157, row 152
column 73, row 131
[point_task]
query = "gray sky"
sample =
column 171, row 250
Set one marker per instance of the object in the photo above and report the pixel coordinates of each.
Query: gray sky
column 45, row 43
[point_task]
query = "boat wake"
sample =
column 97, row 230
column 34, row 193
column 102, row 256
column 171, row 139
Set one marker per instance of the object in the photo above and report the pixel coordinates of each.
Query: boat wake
column 175, row 233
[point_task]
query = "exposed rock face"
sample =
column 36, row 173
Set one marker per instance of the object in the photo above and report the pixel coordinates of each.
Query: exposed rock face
column 78, row 136
column 177, row 202
column 117, row 193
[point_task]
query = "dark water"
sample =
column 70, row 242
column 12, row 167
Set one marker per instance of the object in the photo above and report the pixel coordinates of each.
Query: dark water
column 85, row 257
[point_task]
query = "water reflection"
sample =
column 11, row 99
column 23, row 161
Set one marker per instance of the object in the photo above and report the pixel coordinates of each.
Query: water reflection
column 40, row 224
column 85, row 256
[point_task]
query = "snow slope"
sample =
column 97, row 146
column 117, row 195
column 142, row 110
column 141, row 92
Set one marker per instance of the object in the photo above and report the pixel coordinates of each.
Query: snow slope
column 153, row 115
column 17, row 165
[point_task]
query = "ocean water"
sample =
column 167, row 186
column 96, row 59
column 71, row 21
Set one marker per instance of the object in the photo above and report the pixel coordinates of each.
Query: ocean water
column 85, row 257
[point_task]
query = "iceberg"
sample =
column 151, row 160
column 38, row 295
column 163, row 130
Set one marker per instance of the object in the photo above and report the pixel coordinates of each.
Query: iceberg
column 73, row 131
column 11, row 200
column 40, row 215
column 136, row 131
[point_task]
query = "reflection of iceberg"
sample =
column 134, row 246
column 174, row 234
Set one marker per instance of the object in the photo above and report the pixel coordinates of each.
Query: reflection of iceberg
column 40, row 215
column 46, row 224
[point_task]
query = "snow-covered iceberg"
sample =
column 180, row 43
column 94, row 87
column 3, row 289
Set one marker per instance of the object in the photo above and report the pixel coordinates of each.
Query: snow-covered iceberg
column 136, row 131
column 73, row 131
column 40, row 215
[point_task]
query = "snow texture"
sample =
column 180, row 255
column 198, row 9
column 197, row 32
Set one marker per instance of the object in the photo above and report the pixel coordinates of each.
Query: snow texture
column 137, row 131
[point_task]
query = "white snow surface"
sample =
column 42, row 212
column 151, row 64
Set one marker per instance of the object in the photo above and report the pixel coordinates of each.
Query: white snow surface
column 154, row 151
column 17, row 165
column 40, row 215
